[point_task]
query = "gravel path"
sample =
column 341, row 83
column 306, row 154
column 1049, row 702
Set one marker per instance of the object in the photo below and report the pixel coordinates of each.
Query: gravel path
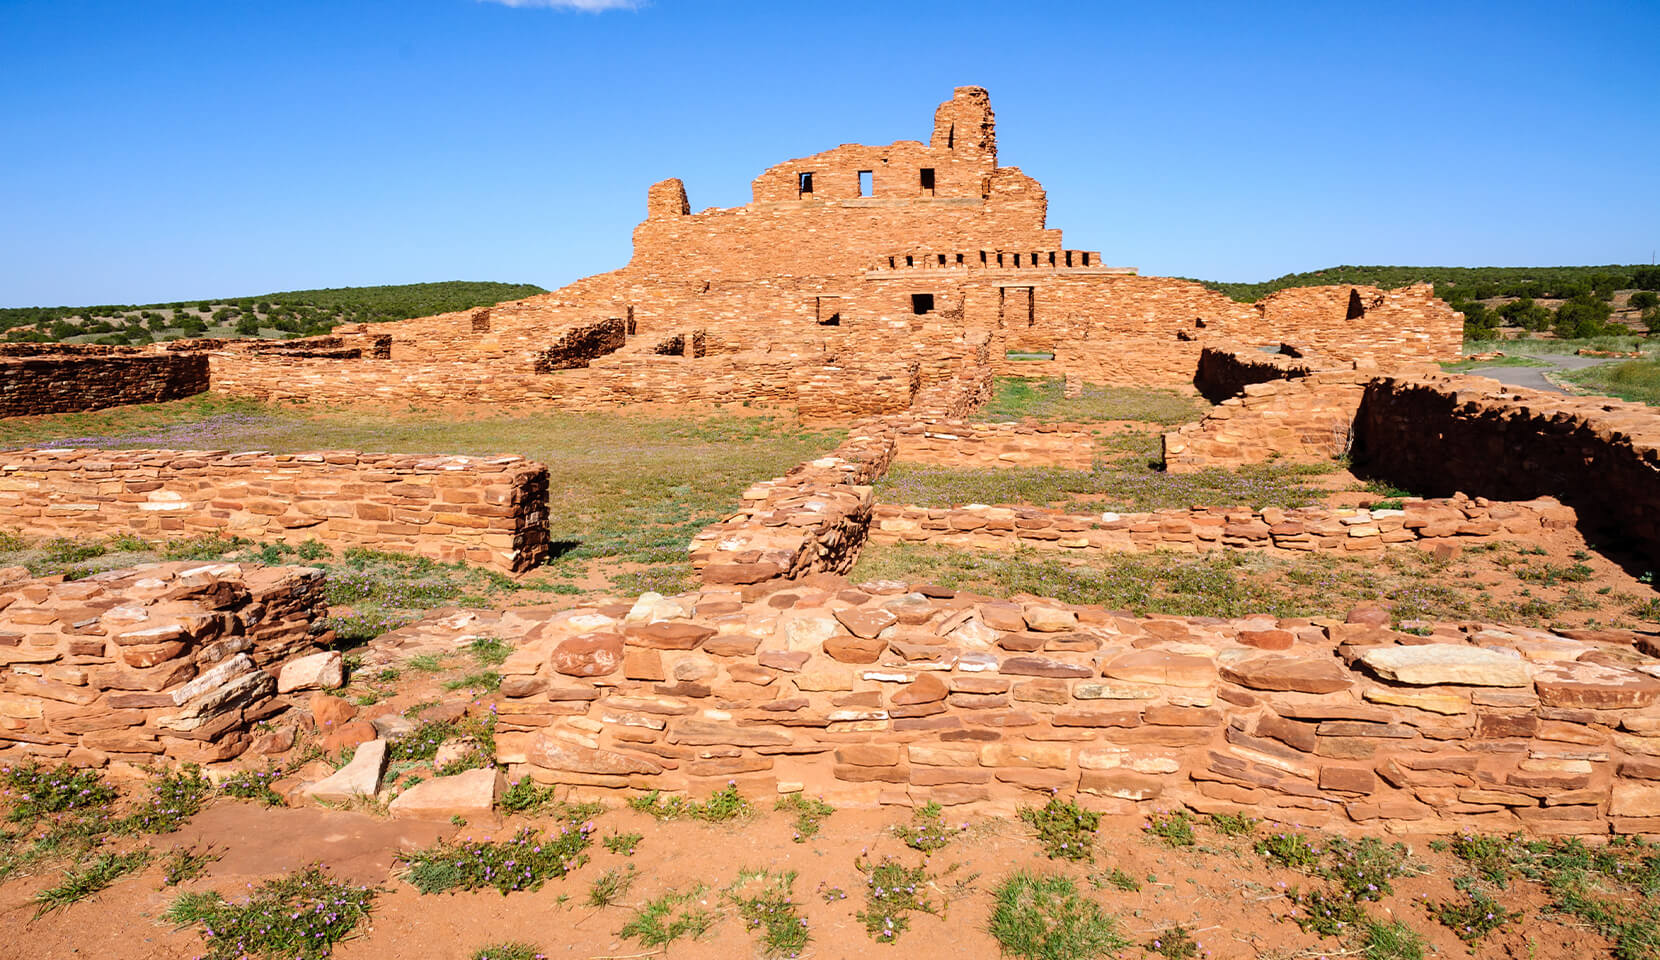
column 1534, row 377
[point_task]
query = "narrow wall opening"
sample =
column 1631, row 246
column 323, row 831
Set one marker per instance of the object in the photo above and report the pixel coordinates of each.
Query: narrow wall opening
column 865, row 180
column 922, row 303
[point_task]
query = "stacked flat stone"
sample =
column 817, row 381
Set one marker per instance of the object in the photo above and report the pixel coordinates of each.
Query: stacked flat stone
column 172, row 659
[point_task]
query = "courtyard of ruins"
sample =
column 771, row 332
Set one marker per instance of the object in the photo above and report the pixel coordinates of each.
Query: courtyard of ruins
column 859, row 566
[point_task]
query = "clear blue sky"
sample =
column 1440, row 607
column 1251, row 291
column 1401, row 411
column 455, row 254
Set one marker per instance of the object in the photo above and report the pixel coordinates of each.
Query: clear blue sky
column 153, row 150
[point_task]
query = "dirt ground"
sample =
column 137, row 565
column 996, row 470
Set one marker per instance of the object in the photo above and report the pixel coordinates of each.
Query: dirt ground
column 1232, row 900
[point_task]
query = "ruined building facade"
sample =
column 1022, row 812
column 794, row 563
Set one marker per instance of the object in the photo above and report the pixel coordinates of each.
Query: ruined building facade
column 852, row 279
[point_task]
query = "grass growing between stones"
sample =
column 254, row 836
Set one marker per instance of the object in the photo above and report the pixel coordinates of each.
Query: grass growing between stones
column 1044, row 917
column 629, row 490
column 1044, row 399
column 511, row 950
column 723, row 805
column 1123, row 483
column 302, row 916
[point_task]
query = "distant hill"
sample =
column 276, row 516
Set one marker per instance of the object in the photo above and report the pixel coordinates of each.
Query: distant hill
column 1466, row 283
column 295, row 313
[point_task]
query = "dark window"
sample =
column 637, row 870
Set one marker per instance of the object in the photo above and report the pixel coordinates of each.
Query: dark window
column 922, row 303
column 1017, row 259
column 959, row 258
column 928, row 179
column 942, row 259
column 982, row 258
column 1000, row 258
column 833, row 320
column 864, row 183
column 1051, row 258
column 1086, row 258
column 1069, row 258
column 910, row 261
column 1356, row 308
column 805, row 183
column 890, row 263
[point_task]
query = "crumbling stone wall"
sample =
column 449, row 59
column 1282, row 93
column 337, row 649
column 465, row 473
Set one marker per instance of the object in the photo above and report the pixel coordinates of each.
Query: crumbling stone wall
column 174, row 660
column 70, row 381
column 868, row 694
column 492, row 512
column 579, row 346
column 1435, row 433
column 1426, row 524
column 1225, row 371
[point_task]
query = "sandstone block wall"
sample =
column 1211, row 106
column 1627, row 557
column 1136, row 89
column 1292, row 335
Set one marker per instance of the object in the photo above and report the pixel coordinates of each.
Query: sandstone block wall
column 1599, row 455
column 1308, row 420
column 71, row 381
column 961, row 443
column 579, row 346
column 1225, row 370
column 1422, row 523
column 870, row 694
column 174, row 660
column 491, row 512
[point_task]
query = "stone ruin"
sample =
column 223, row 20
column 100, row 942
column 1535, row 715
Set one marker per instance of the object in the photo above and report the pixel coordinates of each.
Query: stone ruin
column 884, row 287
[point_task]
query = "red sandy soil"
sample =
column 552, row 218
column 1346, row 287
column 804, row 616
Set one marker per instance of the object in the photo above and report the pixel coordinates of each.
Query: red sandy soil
column 1231, row 898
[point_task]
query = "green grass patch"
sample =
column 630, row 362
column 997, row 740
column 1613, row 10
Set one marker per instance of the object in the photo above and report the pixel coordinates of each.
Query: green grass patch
column 186, row 863
column 300, row 916
column 34, row 792
column 1044, row 917
column 810, row 813
column 1174, row 829
column 668, row 917
column 765, row 900
column 723, row 805
column 511, row 950
column 609, row 887
column 927, row 831
column 1391, row 940
column 623, row 844
column 1124, row 484
column 1015, row 398
column 1066, row 830
column 1637, row 380
column 893, row 892
column 524, row 862
column 81, row 882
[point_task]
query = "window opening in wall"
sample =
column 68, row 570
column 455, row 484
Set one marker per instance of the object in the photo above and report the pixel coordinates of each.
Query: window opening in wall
column 959, row 258
column 1069, row 258
column 922, row 303
column 865, row 183
column 1000, row 258
column 890, row 263
column 982, row 258
column 1086, row 258
column 804, row 183
column 1017, row 259
column 951, row 137
column 1356, row 308
column 942, row 259
column 928, row 180
column 1034, row 260
column 910, row 261
column 1051, row 258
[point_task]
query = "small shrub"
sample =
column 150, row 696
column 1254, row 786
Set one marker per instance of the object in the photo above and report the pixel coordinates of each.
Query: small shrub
column 301, row 916
column 1232, row 824
column 523, row 863
column 1173, row 943
column 623, row 843
column 489, row 651
column 1043, row 917
column 175, row 796
column 83, row 881
column 253, row 785
column 1115, row 878
column 1474, row 918
column 610, row 886
column 927, row 831
column 1324, row 912
column 1293, row 850
column 765, row 901
column 423, row 743
column 723, row 805
column 1366, row 867
column 185, row 863
column 892, row 892
column 668, row 918
column 1066, row 830
column 809, row 813
column 525, row 796
column 1174, row 828
column 36, row 792
column 512, row 950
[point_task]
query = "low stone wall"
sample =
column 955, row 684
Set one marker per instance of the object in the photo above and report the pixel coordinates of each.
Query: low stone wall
column 1294, row 421
column 870, row 694
column 811, row 520
column 486, row 511
column 67, row 382
column 173, row 660
column 1425, row 523
column 1599, row 455
column 1225, row 371
column 959, row 443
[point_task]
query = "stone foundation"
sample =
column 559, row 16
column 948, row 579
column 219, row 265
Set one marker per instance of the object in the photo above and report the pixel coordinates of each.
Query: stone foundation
column 174, row 660
column 1427, row 524
column 492, row 512
column 64, row 382
column 868, row 694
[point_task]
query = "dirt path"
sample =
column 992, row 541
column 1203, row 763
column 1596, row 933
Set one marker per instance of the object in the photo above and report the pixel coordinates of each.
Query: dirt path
column 1534, row 378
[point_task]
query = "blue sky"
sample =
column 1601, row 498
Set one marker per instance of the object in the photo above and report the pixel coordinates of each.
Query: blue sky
column 153, row 150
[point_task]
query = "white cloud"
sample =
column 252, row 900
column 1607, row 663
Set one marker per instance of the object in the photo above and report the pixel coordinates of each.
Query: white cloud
column 586, row 6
